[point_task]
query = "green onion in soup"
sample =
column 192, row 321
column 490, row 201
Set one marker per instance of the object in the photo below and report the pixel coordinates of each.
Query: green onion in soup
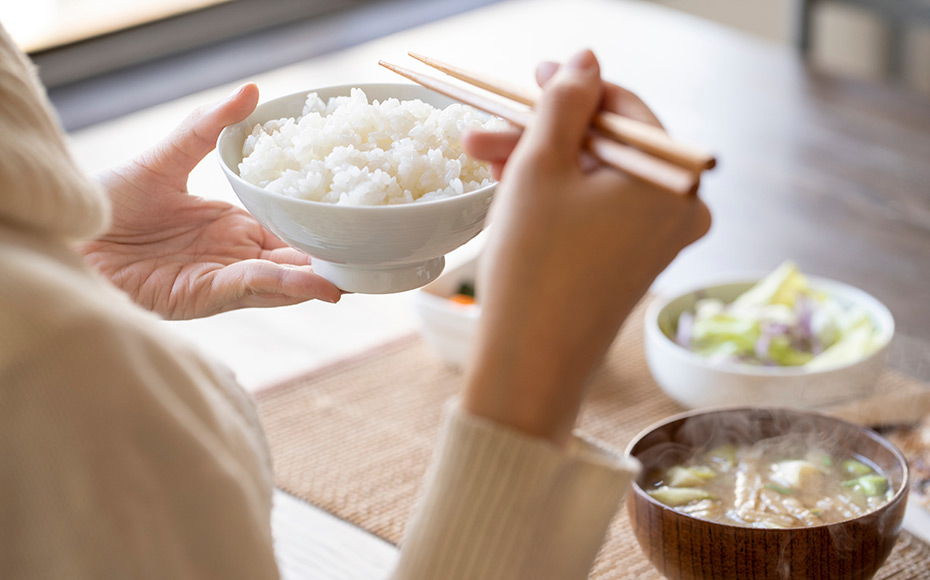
column 769, row 486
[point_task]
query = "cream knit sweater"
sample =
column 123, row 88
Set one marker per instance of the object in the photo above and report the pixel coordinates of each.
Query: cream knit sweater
column 124, row 454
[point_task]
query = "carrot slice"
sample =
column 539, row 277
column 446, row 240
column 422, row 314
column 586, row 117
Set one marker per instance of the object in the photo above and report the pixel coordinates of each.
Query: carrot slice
column 462, row 299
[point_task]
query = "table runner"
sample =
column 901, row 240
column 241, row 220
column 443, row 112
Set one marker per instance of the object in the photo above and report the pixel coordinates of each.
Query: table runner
column 355, row 438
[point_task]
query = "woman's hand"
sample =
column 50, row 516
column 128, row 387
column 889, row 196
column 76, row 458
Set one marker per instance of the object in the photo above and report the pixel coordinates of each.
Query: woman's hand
column 573, row 246
column 185, row 257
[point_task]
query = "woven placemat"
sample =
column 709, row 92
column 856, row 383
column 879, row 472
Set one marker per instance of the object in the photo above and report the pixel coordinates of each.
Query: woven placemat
column 355, row 438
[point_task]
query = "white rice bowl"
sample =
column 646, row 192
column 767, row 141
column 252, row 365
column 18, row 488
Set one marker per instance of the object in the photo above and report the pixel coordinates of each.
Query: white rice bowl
column 347, row 151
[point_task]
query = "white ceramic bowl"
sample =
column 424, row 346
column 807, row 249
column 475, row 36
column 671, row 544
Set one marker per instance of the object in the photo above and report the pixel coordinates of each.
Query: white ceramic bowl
column 695, row 381
column 448, row 327
column 370, row 249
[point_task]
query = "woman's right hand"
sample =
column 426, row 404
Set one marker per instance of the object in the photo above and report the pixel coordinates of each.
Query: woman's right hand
column 573, row 246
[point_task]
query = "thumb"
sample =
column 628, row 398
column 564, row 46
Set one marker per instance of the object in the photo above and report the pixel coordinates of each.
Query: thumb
column 569, row 102
column 189, row 143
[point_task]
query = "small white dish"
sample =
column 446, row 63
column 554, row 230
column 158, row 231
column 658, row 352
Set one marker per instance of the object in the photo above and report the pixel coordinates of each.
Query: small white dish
column 445, row 325
column 366, row 249
column 696, row 382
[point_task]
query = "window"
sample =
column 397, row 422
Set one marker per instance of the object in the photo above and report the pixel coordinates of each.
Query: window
column 101, row 59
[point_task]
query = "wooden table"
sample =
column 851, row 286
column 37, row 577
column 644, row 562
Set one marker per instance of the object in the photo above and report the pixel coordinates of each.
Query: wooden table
column 833, row 174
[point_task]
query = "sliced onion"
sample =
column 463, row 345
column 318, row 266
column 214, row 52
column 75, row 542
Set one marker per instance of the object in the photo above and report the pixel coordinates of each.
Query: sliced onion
column 685, row 326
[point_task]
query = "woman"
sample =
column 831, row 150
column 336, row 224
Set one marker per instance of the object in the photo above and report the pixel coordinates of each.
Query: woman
column 128, row 455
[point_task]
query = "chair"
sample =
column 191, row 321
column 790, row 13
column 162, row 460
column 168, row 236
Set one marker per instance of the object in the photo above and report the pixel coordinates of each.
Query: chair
column 897, row 14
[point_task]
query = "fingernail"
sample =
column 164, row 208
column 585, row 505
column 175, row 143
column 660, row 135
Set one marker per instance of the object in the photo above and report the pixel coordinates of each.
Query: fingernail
column 545, row 71
column 236, row 93
column 582, row 61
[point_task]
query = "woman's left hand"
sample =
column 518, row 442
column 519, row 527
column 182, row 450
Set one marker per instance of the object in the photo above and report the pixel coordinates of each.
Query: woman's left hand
column 185, row 257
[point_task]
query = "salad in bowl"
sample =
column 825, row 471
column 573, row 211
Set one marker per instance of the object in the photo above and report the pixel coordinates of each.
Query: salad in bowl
column 781, row 339
column 780, row 321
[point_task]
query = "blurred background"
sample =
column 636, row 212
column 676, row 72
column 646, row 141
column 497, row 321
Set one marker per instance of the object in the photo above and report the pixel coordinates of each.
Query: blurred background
column 104, row 58
column 871, row 39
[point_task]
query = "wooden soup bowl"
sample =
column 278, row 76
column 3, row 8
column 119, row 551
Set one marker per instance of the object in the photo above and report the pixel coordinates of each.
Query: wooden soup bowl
column 684, row 547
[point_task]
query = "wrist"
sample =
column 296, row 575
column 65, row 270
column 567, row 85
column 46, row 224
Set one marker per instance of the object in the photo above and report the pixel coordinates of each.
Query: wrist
column 536, row 395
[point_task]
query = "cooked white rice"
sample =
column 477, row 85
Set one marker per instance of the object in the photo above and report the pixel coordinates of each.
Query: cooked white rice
column 349, row 152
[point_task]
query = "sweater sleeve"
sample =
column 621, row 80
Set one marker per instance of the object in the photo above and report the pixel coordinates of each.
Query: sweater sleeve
column 43, row 189
column 502, row 505
column 125, row 453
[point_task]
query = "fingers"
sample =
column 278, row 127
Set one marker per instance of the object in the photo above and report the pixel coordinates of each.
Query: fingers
column 545, row 71
column 623, row 102
column 701, row 220
column 494, row 147
column 196, row 136
column 564, row 113
column 264, row 283
column 616, row 99
column 286, row 256
column 491, row 146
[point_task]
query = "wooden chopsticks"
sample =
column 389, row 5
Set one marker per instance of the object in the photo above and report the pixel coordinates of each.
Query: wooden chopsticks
column 638, row 149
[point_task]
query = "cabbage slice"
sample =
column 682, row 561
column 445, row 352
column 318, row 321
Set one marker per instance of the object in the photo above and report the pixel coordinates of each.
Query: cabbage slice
column 780, row 287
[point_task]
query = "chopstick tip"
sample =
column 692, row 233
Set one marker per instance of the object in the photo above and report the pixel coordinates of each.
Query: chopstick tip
column 404, row 72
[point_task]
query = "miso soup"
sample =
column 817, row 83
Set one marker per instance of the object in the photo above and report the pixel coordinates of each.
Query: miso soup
column 771, row 484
